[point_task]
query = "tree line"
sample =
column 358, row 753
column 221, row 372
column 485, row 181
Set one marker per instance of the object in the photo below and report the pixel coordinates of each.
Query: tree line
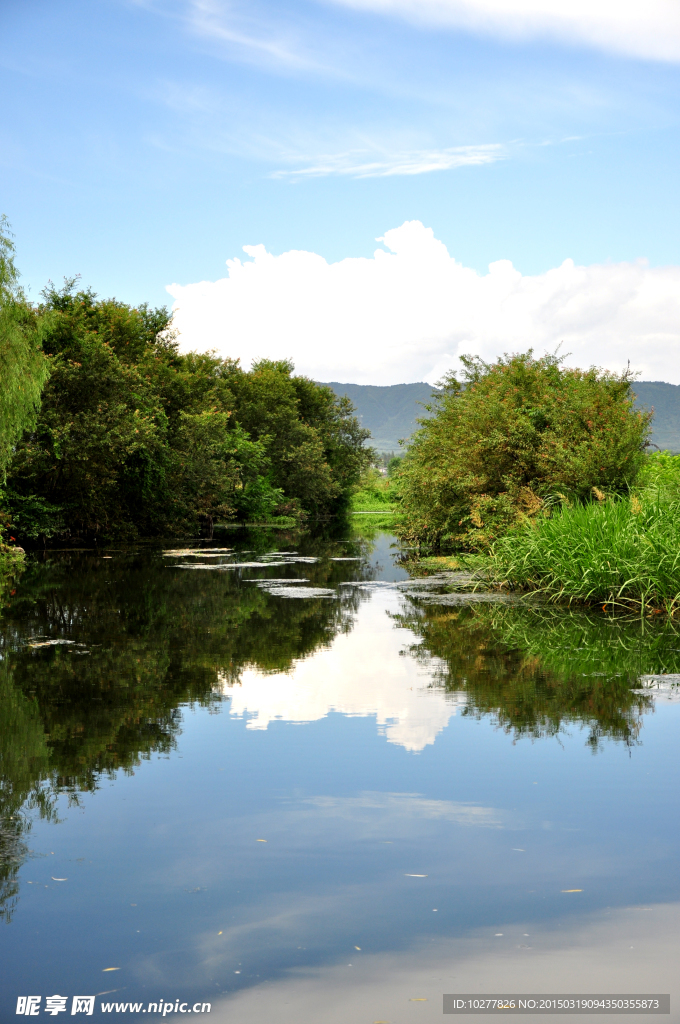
column 106, row 428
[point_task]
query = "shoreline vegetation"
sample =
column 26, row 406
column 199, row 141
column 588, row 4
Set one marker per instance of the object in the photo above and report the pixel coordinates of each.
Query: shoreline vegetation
column 534, row 476
column 550, row 491
column 109, row 431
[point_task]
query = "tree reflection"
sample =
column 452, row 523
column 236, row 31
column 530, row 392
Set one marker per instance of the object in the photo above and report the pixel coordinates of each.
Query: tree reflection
column 99, row 656
column 537, row 670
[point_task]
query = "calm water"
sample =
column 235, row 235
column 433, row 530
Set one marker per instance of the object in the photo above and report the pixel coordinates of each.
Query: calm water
column 288, row 781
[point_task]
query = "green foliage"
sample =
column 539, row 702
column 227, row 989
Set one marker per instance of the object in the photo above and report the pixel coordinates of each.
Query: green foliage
column 618, row 551
column 34, row 516
column 212, row 461
column 394, row 465
column 520, row 434
column 134, row 437
column 315, row 444
column 23, row 366
column 659, row 478
column 539, row 670
column 374, row 493
column 97, row 451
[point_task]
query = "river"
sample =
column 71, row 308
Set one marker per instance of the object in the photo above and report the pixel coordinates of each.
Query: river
column 274, row 774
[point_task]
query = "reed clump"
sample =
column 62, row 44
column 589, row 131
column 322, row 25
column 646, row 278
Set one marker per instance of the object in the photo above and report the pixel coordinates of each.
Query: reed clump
column 621, row 552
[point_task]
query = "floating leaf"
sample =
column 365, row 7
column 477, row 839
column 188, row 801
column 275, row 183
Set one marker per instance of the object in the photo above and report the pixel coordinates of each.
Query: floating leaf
column 572, row 890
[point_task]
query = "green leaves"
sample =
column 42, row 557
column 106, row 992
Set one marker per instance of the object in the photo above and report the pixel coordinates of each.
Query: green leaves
column 517, row 433
column 619, row 552
column 23, row 366
column 134, row 437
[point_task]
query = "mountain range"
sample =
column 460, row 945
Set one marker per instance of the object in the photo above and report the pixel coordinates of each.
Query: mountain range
column 391, row 412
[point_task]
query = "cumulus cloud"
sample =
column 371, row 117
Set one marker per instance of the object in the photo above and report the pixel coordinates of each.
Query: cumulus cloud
column 406, row 313
column 649, row 30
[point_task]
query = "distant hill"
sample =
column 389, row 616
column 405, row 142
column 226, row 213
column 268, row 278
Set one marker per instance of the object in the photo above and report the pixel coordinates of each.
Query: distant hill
column 665, row 400
column 391, row 412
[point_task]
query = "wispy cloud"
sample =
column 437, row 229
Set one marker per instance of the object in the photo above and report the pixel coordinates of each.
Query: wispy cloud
column 421, row 161
column 248, row 32
column 649, row 30
column 374, row 805
column 255, row 39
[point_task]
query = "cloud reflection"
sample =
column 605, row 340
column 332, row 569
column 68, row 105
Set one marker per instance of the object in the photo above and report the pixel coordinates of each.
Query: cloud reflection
column 404, row 806
column 361, row 674
column 635, row 949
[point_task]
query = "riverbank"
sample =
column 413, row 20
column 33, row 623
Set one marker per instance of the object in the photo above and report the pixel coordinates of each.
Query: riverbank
column 621, row 553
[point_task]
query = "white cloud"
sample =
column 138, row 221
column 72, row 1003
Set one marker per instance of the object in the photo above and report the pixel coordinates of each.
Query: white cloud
column 638, row 28
column 386, row 165
column 405, row 314
column 242, row 32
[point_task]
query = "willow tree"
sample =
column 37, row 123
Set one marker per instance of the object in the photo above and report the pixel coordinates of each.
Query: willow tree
column 23, row 365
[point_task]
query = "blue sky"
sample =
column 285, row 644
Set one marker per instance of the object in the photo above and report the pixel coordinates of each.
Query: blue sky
column 147, row 141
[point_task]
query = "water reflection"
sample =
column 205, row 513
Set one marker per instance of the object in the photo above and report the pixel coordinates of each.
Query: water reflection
column 362, row 674
column 185, row 715
column 539, row 669
column 99, row 655
column 631, row 950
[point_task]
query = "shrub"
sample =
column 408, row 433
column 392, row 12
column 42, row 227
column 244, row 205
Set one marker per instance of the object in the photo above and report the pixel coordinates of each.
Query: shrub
column 515, row 437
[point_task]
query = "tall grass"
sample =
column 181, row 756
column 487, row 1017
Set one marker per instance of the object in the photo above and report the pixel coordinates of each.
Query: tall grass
column 617, row 552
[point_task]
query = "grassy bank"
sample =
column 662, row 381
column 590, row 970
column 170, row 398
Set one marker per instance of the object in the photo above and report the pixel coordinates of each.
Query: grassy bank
column 375, row 493
column 619, row 553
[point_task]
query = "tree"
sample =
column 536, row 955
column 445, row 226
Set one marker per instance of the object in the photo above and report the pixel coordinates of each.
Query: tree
column 23, row 366
column 315, row 443
column 135, row 437
column 96, row 456
column 214, row 463
column 514, row 437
